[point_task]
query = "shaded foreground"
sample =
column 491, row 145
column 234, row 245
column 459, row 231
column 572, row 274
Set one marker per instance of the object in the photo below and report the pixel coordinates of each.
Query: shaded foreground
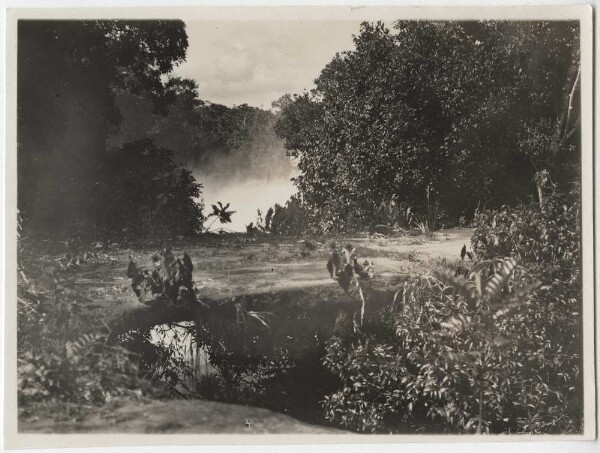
column 178, row 417
column 288, row 279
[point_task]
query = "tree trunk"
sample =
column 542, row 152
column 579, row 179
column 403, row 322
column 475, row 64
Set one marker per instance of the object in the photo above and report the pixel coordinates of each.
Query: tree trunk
column 561, row 132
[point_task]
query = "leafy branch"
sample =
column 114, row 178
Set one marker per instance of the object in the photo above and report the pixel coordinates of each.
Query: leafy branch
column 489, row 297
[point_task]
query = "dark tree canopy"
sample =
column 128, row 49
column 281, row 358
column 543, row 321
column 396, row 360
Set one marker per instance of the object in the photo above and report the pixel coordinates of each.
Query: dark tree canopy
column 68, row 72
column 450, row 114
column 150, row 196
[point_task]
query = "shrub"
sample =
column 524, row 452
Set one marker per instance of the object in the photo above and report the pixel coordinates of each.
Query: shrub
column 547, row 240
column 383, row 384
column 427, row 362
column 535, row 235
column 58, row 362
column 288, row 220
column 62, row 349
column 93, row 374
column 497, row 353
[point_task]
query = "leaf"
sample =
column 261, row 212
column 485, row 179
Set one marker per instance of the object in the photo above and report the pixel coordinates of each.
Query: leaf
column 132, row 269
column 457, row 323
column 522, row 292
column 260, row 317
column 466, row 288
column 506, row 309
column 501, row 341
column 187, row 263
column 495, row 284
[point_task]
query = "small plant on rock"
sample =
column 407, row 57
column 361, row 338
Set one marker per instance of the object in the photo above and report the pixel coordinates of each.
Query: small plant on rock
column 170, row 279
column 344, row 267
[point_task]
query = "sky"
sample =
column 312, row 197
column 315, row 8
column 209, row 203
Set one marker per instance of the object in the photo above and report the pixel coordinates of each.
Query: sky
column 258, row 62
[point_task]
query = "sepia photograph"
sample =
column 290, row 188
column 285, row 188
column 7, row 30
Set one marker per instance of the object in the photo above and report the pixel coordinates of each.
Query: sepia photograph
column 365, row 223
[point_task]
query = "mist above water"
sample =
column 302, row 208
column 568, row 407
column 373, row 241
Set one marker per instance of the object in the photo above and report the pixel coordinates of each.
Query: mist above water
column 255, row 177
column 250, row 171
column 246, row 196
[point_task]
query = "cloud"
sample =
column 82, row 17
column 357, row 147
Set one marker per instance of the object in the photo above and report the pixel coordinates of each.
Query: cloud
column 257, row 62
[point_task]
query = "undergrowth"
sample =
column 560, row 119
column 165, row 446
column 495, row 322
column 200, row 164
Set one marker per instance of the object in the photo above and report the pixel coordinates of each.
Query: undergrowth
column 491, row 346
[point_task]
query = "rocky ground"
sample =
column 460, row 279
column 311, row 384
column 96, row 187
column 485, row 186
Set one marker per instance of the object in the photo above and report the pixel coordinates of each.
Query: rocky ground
column 226, row 267
column 174, row 417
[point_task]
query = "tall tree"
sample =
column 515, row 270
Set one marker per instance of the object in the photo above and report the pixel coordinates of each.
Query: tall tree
column 67, row 74
column 433, row 113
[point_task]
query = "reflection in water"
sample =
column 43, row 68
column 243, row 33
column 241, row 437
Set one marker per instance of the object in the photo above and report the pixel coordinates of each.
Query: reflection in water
column 183, row 355
column 268, row 354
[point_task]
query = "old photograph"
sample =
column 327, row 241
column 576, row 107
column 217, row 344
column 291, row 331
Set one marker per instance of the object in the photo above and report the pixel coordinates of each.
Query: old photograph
column 304, row 227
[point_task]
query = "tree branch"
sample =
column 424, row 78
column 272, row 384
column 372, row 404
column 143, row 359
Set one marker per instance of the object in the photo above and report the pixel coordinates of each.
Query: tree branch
column 563, row 118
column 573, row 130
column 571, row 95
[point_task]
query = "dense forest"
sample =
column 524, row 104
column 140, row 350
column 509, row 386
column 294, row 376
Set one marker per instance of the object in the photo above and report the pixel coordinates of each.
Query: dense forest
column 426, row 119
column 438, row 118
column 109, row 137
column 455, row 146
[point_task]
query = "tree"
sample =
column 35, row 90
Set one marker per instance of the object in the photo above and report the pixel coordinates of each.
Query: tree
column 150, row 196
column 220, row 213
column 67, row 74
column 511, row 134
column 204, row 136
column 432, row 114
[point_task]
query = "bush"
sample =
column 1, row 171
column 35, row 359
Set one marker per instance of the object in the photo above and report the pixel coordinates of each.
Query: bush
column 535, row 235
column 62, row 349
column 497, row 353
column 424, row 364
column 547, row 240
column 288, row 220
column 57, row 361
column 390, row 382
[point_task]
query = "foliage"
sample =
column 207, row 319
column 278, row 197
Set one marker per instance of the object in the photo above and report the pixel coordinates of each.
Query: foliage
column 62, row 352
column 67, row 73
column 220, row 213
column 344, row 266
column 432, row 113
column 66, row 352
column 427, row 365
column 169, row 358
column 170, row 280
column 495, row 348
column 289, row 220
column 91, row 375
column 233, row 141
column 548, row 235
column 547, row 239
column 148, row 195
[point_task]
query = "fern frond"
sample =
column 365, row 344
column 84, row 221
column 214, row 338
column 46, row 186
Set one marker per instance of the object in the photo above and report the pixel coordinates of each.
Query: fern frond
column 506, row 309
column 81, row 343
column 500, row 278
column 465, row 288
